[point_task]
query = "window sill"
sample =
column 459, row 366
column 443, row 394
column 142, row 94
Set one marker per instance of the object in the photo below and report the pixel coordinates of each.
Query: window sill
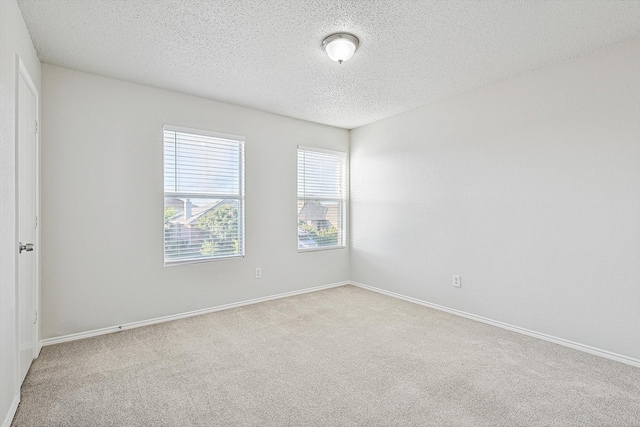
column 200, row 261
column 322, row 248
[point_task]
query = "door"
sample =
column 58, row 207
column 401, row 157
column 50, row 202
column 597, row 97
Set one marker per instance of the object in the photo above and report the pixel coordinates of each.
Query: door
column 27, row 221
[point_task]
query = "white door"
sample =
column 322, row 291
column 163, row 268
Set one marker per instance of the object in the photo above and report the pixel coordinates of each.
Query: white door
column 27, row 222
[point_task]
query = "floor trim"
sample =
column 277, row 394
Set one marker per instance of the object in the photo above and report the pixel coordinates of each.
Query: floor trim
column 112, row 329
column 574, row 345
column 12, row 411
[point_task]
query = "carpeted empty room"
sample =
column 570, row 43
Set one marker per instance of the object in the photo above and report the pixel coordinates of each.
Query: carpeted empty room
column 375, row 213
column 339, row 357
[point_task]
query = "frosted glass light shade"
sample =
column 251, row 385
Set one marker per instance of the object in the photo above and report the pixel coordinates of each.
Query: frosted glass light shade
column 340, row 47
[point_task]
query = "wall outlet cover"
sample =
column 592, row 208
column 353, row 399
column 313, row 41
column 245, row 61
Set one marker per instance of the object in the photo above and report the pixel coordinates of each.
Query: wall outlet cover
column 457, row 282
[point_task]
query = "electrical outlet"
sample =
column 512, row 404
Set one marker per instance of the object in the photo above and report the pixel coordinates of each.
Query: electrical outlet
column 456, row 281
column 258, row 273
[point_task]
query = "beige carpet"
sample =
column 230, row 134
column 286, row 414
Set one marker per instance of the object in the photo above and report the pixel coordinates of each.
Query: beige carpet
column 339, row 357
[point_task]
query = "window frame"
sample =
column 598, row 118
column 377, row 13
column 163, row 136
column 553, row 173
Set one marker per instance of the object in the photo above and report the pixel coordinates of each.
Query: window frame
column 240, row 197
column 344, row 229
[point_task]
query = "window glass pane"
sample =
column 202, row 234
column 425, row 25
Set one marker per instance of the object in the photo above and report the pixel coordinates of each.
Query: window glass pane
column 201, row 228
column 319, row 224
column 320, row 175
column 201, row 164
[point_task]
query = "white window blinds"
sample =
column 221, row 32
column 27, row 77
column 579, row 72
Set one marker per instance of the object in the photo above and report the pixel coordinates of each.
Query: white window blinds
column 203, row 195
column 322, row 198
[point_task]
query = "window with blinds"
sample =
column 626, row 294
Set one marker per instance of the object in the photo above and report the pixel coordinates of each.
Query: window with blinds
column 203, row 195
column 322, row 199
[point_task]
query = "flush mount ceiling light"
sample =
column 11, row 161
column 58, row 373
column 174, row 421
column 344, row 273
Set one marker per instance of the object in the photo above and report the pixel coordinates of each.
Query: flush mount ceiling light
column 340, row 46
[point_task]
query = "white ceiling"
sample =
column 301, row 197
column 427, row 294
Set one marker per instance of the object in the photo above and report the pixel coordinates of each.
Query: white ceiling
column 266, row 54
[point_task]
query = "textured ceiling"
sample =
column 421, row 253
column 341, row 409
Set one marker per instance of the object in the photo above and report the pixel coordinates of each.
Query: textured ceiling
column 266, row 54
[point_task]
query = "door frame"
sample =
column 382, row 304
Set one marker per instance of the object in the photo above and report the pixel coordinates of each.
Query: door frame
column 23, row 73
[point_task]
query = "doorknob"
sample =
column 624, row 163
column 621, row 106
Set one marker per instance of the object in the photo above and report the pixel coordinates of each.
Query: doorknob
column 26, row 247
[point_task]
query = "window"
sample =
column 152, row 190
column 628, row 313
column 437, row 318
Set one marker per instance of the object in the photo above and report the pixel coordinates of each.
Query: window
column 322, row 199
column 203, row 195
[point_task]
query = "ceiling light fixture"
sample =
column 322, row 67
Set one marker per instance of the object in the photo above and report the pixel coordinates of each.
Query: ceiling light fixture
column 340, row 46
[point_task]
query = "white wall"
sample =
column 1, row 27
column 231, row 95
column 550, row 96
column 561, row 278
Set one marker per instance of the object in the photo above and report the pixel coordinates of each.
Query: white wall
column 102, row 205
column 528, row 188
column 14, row 40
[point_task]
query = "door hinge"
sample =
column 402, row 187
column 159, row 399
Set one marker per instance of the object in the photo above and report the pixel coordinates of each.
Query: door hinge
column 36, row 321
column 36, row 126
column 36, row 221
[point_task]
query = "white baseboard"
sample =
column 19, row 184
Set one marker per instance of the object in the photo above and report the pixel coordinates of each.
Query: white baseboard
column 12, row 411
column 112, row 329
column 577, row 346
